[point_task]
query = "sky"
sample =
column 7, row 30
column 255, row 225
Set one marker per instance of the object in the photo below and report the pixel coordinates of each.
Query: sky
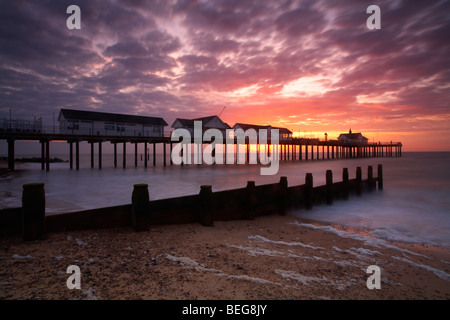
column 313, row 67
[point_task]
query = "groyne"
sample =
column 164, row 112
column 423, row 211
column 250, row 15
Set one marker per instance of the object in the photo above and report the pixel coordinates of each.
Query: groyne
column 205, row 207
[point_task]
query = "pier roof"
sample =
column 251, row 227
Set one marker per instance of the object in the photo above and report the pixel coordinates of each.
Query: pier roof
column 246, row 126
column 71, row 114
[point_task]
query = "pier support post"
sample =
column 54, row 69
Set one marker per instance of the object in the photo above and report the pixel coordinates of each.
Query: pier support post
column 164, row 154
column 71, row 155
column 345, row 183
column 115, row 154
column 135, row 154
column 77, row 155
column 124, row 164
column 329, row 187
column 358, row 180
column 33, row 211
column 42, row 154
column 282, row 205
column 380, row 177
column 250, row 196
column 140, row 212
column 92, row 154
column 170, row 152
column 47, row 155
column 308, row 188
column 205, row 212
column 99, row 154
column 154, row 154
column 145, row 154
column 11, row 154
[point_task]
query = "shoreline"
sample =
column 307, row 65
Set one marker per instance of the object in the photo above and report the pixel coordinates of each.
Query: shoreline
column 269, row 258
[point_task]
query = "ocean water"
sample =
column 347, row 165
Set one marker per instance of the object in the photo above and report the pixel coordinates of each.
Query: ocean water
column 413, row 207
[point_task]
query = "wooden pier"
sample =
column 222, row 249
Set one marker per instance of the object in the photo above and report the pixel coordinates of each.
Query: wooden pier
column 295, row 149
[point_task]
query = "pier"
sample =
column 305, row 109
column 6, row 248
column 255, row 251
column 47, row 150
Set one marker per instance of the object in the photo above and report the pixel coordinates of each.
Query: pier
column 294, row 149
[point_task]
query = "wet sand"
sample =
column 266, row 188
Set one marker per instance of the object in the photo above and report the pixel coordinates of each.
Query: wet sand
column 269, row 258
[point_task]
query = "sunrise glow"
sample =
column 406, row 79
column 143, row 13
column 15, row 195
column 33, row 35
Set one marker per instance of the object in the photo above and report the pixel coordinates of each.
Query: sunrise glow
column 310, row 66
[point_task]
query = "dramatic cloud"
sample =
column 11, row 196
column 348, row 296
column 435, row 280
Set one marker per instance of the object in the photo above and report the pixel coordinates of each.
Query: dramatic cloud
column 311, row 66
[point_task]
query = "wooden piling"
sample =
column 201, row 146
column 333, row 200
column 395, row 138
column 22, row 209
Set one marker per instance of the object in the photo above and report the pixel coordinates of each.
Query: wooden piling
column 380, row 177
column 71, row 155
column 11, row 154
column 124, row 160
column 145, row 154
column 154, row 154
column 47, row 155
column 205, row 210
column 370, row 182
column 308, row 191
column 282, row 205
column 115, row 154
column 345, row 186
column 77, row 155
column 358, row 180
column 33, row 211
column 140, row 207
column 99, row 154
column 329, row 187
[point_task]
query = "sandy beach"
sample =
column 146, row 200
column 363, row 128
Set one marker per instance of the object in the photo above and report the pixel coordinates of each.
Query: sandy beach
column 269, row 258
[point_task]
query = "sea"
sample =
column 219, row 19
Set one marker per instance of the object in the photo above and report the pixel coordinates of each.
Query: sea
column 413, row 207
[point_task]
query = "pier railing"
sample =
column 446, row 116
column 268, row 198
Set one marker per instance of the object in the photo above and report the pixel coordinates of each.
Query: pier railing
column 205, row 207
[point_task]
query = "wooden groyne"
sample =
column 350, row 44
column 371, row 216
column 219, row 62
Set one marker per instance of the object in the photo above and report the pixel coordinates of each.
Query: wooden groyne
column 205, row 207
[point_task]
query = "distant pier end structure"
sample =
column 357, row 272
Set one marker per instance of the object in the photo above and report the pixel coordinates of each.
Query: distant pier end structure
column 77, row 126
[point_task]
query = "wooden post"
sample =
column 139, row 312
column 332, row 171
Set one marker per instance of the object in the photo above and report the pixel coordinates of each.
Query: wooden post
column 145, row 154
column 154, row 154
column 115, row 154
column 329, row 186
column 99, row 154
column 33, row 211
column 140, row 213
column 165, row 156
column 380, row 177
column 11, row 154
column 345, row 183
column 370, row 182
column 170, row 153
column 92, row 154
column 42, row 154
column 205, row 212
column 308, row 188
column 135, row 154
column 282, row 205
column 250, row 197
column 71, row 155
column 47, row 156
column 124, row 160
column 358, row 180
column 77, row 155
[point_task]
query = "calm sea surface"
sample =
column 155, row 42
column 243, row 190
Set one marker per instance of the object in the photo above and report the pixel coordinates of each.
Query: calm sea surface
column 414, row 206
